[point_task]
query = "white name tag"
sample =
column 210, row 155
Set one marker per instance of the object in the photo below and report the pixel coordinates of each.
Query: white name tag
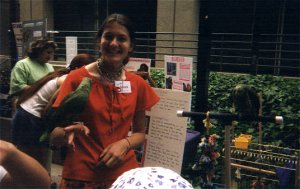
column 123, row 86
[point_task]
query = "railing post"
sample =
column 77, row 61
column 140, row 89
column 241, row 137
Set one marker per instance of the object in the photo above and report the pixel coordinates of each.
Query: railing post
column 203, row 56
column 227, row 161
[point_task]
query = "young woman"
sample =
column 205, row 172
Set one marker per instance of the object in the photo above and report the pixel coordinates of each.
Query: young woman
column 117, row 103
column 27, row 123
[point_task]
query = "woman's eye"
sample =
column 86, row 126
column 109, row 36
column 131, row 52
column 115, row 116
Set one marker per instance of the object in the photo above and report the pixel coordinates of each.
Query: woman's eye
column 108, row 37
column 122, row 39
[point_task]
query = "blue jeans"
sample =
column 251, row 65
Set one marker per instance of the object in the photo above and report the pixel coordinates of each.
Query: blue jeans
column 26, row 128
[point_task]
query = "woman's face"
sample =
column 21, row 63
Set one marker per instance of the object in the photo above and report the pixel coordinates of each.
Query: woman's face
column 46, row 55
column 115, row 44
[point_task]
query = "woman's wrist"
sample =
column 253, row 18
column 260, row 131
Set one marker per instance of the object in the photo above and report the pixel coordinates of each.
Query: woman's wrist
column 129, row 147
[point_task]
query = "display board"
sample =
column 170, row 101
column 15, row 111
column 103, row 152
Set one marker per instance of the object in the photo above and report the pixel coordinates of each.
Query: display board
column 165, row 132
column 138, row 64
column 178, row 73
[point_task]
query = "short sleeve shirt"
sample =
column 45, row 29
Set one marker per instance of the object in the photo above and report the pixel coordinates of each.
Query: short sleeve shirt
column 26, row 72
column 37, row 102
column 109, row 115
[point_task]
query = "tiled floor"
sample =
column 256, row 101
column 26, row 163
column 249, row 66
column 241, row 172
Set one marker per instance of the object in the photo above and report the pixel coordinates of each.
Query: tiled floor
column 56, row 170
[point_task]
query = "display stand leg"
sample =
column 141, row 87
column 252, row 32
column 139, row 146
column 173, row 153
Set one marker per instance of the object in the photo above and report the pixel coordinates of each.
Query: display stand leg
column 297, row 180
column 227, row 157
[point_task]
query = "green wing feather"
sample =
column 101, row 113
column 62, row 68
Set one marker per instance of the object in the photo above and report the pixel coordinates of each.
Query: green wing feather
column 72, row 104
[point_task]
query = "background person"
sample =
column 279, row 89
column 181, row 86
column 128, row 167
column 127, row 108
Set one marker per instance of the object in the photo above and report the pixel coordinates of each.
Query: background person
column 117, row 103
column 32, row 68
column 27, row 123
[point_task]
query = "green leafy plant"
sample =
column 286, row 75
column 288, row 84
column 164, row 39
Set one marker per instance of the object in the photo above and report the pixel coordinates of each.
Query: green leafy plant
column 158, row 76
column 280, row 96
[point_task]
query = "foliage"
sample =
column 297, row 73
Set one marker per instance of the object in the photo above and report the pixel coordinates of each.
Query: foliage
column 158, row 76
column 280, row 96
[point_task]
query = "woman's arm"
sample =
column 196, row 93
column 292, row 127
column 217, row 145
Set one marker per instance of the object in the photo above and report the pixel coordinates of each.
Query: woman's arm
column 65, row 136
column 18, row 79
column 23, row 170
column 138, row 130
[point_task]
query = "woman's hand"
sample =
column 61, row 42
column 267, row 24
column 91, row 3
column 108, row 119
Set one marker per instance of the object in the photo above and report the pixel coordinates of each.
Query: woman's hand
column 114, row 153
column 65, row 136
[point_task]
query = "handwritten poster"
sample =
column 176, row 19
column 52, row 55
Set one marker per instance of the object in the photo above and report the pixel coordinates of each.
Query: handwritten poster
column 178, row 73
column 166, row 133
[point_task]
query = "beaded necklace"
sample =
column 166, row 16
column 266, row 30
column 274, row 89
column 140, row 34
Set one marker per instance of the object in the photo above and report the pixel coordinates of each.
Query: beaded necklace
column 108, row 75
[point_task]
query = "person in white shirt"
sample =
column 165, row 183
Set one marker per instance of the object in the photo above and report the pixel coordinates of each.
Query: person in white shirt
column 28, row 124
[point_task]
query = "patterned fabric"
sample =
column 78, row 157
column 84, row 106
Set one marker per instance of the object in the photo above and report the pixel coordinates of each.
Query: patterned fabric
column 151, row 178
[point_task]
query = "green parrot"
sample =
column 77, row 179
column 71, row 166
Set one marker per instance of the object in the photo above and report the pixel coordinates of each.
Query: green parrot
column 72, row 105
column 246, row 101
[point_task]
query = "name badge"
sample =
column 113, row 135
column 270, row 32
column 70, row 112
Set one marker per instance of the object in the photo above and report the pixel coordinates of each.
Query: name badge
column 123, row 86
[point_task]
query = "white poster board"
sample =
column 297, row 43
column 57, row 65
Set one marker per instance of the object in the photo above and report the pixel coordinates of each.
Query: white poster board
column 178, row 73
column 18, row 32
column 165, row 136
column 71, row 49
column 138, row 64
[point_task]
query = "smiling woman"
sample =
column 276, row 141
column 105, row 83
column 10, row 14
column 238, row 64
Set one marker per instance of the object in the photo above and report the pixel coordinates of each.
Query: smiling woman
column 116, row 104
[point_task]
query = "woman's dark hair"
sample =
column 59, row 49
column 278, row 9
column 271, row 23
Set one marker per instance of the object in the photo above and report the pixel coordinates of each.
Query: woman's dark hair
column 143, row 68
column 77, row 62
column 81, row 60
column 38, row 46
column 122, row 20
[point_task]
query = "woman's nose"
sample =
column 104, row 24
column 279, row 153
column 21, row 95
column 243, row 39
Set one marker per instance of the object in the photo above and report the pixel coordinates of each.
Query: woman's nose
column 114, row 41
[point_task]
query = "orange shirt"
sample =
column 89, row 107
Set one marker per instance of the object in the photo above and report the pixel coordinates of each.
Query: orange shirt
column 109, row 115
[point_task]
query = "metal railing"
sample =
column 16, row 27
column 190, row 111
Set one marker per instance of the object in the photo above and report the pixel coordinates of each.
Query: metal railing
column 230, row 52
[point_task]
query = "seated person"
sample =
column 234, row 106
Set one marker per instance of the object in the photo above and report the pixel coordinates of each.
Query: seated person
column 18, row 170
